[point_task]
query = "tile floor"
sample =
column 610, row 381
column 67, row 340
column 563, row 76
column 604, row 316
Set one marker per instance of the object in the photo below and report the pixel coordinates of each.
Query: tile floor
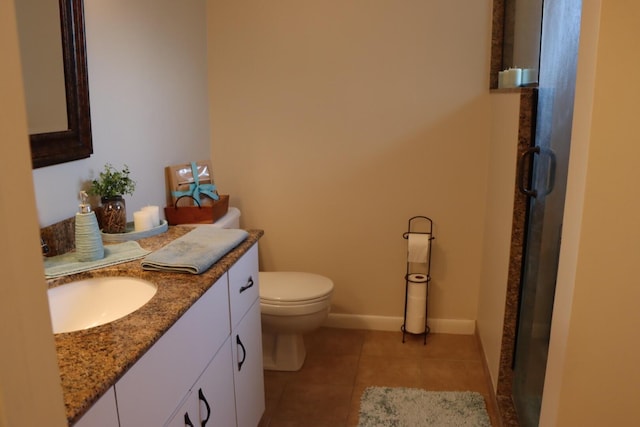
column 341, row 363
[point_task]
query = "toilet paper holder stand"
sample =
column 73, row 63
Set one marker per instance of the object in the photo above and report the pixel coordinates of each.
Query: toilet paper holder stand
column 418, row 225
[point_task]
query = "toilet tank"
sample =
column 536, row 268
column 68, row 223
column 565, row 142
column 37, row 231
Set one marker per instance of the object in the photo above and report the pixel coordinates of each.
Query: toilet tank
column 230, row 220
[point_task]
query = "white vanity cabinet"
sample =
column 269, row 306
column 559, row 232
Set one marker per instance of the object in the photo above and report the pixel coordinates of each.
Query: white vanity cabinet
column 103, row 413
column 210, row 401
column 246, row 339
column 247, row 368
column 152, row 389
column 207, row 368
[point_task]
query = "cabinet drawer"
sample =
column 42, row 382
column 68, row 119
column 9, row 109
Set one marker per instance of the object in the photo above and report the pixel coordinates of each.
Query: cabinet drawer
column 151, row 390
column 243, row 284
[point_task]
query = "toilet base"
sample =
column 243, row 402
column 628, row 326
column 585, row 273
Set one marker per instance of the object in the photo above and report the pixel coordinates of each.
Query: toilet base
column 283, row 352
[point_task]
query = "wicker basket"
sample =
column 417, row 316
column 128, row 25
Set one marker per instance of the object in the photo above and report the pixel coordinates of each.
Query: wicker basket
column 197, row 214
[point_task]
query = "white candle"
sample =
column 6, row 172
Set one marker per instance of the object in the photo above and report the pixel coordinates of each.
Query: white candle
column 142, row 221
column 529, row 76
column 154, row 211
column 515, row 76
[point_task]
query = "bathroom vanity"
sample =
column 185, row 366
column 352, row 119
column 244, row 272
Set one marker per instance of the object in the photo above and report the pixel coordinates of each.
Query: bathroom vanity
column 193, row 352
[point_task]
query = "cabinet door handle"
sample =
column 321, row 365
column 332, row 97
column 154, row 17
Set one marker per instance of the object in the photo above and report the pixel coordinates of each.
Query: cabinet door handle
column 244, row 352
column 203, row 423
column 187, row 420
column 247, row 286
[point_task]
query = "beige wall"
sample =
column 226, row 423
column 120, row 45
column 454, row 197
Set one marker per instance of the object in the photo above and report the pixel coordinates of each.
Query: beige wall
column 333, row 122
column 30, row 393
column 505, row 109
column 596, row 374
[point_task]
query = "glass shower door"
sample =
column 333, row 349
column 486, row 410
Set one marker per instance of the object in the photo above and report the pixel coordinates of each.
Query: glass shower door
column 560, row 35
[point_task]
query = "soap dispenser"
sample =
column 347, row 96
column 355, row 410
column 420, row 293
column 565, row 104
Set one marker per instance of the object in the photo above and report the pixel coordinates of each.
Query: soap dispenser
column 88, row 238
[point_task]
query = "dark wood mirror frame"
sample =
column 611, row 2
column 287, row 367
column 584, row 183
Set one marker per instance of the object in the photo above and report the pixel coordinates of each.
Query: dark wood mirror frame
column 75, row 142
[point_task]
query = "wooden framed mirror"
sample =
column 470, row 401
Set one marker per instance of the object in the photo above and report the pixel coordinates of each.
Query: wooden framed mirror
column 75, row 141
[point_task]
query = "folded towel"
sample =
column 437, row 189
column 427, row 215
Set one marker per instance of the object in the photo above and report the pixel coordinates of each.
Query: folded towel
column 196, row 251
column 65, row 264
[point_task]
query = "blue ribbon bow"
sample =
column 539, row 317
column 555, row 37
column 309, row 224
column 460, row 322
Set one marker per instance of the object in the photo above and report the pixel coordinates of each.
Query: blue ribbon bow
column 196, row 189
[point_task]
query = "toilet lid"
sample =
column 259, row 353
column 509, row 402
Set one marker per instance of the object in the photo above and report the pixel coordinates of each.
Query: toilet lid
column 292, row 286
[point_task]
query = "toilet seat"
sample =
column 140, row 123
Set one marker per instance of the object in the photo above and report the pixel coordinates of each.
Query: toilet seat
column 294, row 309
column 293, row 288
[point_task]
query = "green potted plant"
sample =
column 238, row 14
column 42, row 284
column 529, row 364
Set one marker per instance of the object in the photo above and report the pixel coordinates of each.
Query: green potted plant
column 111, row 185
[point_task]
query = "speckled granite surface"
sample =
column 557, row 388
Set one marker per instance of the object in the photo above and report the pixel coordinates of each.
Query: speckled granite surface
column 60, row 237
column 526, row 139
column 497, row 41
column 92, row 360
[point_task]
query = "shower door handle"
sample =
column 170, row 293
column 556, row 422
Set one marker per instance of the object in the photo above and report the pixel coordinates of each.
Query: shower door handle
column 522, row 185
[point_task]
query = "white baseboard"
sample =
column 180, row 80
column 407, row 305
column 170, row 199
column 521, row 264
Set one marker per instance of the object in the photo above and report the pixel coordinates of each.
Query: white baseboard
column 388, row 323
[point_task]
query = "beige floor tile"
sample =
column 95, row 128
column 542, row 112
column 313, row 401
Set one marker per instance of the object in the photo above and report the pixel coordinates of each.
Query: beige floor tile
column 274, row 383
column 389, row 344
column 335, row 341
column 443, row 375
column 354, row 411
column 450, row 346
column 313, row 405
column 342, row 363
column 382, row 371
column 492, row 410
column 475, row 377
column 327, row 368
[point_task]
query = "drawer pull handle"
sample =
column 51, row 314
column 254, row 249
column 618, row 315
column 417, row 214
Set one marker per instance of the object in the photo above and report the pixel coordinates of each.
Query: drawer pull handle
column 244, row 352
column 187, row 420
column 247, row 286
column 203, row 423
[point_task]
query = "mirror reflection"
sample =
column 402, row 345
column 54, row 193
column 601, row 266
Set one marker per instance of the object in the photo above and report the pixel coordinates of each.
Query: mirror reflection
column 40, row 36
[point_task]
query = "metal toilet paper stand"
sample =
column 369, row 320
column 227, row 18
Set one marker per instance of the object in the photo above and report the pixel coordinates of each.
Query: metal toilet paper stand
column 418, row 225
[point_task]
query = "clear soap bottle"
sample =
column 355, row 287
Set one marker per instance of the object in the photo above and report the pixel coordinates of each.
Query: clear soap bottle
column 88, row 238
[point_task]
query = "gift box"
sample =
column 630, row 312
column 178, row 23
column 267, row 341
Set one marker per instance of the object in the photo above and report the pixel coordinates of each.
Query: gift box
column 193, row 179
column 193, row 197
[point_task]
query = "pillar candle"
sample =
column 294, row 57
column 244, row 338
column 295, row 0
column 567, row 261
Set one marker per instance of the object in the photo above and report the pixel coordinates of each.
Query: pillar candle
column 154, row 212
column 142, row 221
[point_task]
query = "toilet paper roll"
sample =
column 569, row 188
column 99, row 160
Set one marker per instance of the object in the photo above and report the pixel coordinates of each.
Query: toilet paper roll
column 418, row 250
column 416, row 308
column 417, row 277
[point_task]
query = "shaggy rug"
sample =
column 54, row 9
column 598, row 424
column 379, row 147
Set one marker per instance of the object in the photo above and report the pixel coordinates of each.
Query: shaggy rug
column 410, row 407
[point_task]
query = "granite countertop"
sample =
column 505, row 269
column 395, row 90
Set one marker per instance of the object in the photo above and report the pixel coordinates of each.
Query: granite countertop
column 92, row 360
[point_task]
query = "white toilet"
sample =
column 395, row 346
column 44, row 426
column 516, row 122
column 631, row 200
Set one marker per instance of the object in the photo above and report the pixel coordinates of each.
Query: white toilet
column 291, row 305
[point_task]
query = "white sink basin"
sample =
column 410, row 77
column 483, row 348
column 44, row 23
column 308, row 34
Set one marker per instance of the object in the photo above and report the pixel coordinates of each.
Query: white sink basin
column 93, row 302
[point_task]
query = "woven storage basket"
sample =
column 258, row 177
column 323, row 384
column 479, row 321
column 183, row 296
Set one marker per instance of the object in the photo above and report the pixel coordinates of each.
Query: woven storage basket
column 197, row 214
